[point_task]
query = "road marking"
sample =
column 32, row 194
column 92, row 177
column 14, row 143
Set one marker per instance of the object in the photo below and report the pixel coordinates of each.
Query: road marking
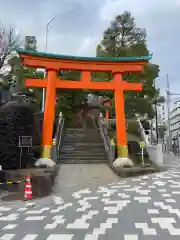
column 153, row 211
column 57, row 220
column 35, row 218
column 131, row 237
column 37, row 211
column 5, row 209
column 10, row 226
column 101, row 230
column 7, row 237
column 30, row 237
column 145, row 229
column 10, row 217
column 81, row 222
column 60, row 237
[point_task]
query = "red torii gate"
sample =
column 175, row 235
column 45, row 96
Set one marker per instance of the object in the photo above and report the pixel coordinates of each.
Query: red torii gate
column 54, row 63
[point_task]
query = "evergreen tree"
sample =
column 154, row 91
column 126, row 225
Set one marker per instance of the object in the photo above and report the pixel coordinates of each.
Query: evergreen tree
column 124, row 38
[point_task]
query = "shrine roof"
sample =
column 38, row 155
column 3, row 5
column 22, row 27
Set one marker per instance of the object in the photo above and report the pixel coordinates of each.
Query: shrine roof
column 57, row 56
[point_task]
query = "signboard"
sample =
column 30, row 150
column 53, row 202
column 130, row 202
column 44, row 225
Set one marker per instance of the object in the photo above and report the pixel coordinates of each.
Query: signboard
column 142, row 145
column 25, row 141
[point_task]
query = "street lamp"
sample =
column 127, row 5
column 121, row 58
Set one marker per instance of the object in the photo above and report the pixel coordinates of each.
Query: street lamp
column 46, row 43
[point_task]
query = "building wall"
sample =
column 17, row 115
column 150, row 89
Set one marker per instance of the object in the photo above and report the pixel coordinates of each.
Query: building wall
column 175, row 118
column 161, row 114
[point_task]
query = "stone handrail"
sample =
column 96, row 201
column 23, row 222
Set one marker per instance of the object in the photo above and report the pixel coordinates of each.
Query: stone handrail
column 142, row 133
column 154, row 150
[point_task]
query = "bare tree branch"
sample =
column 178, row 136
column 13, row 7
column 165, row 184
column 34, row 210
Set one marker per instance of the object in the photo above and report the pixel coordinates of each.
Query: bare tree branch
column 8, row 40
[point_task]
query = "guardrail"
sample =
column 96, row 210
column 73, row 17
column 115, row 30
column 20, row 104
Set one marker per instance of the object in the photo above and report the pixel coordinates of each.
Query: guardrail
column 108, row 144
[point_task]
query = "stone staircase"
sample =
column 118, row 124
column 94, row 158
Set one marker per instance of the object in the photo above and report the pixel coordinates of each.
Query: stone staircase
column 82, row 146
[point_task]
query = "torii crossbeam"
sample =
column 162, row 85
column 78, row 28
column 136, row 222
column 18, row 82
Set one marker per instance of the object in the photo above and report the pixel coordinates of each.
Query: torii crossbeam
column 54, row 63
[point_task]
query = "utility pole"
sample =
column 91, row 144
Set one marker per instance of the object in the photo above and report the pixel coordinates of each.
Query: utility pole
column 168, row 94
column 156, row 114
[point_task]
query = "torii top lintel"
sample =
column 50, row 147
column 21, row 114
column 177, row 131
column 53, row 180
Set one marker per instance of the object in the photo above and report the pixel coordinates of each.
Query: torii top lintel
column 86, row 65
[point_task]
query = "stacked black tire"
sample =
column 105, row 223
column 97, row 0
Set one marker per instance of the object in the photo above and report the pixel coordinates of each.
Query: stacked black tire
column 15, row 120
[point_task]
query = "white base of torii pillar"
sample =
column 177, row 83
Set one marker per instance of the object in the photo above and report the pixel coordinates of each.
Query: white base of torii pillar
column 122, row 162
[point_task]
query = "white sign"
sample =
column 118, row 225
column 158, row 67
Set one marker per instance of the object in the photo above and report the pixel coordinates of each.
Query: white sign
column 25, row 141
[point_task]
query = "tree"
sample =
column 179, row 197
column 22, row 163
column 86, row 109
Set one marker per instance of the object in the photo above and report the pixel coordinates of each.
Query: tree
column 8, row 41
column 17, row 74
column 124, row 38
column 30, row 43
column 70, row 100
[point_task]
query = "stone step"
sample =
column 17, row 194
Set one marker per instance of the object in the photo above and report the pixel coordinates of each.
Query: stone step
column 81, row 130
column 83, row 157
column 88, row 151
column 94, row 150
column 83, row 161
column 81, row 135
column 83, row 154
column 87, row 136
column 79, row 144
column 88, row 141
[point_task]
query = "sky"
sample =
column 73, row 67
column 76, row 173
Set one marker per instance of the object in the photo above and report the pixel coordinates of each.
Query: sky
column 79, row 24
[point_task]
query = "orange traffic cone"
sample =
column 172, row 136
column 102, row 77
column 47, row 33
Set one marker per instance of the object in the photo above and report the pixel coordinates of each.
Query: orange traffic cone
column 28, row 189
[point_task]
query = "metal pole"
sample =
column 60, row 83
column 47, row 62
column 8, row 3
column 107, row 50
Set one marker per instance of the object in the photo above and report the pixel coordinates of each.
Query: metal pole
column 157, row 128
column 46, row 43
column 156, row 116
column 169, row 117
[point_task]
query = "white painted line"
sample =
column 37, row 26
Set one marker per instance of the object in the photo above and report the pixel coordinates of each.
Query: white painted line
column 37, row 211
column 177, row 193
column 10, row 217
column 30, row 237
column 10, row 226
column 131, row 237
column 22, row 209
column 4, row 209
column 153, row 211
column 60, row 237
column 7, row 237
column 35, row 218
column 170, row 200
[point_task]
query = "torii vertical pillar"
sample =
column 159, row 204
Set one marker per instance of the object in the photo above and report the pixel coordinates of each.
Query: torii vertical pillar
column 49, row 113
column 122, row 148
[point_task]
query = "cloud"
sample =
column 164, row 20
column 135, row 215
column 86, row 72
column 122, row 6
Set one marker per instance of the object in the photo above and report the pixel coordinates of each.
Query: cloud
column 161, row 20
column 79, row 24
column 88, row 44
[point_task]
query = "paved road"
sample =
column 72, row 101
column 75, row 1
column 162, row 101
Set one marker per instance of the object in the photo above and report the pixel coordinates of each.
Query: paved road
column 133, row 209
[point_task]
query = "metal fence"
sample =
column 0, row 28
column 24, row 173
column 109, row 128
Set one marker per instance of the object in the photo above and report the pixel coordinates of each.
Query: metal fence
column 108, row 144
